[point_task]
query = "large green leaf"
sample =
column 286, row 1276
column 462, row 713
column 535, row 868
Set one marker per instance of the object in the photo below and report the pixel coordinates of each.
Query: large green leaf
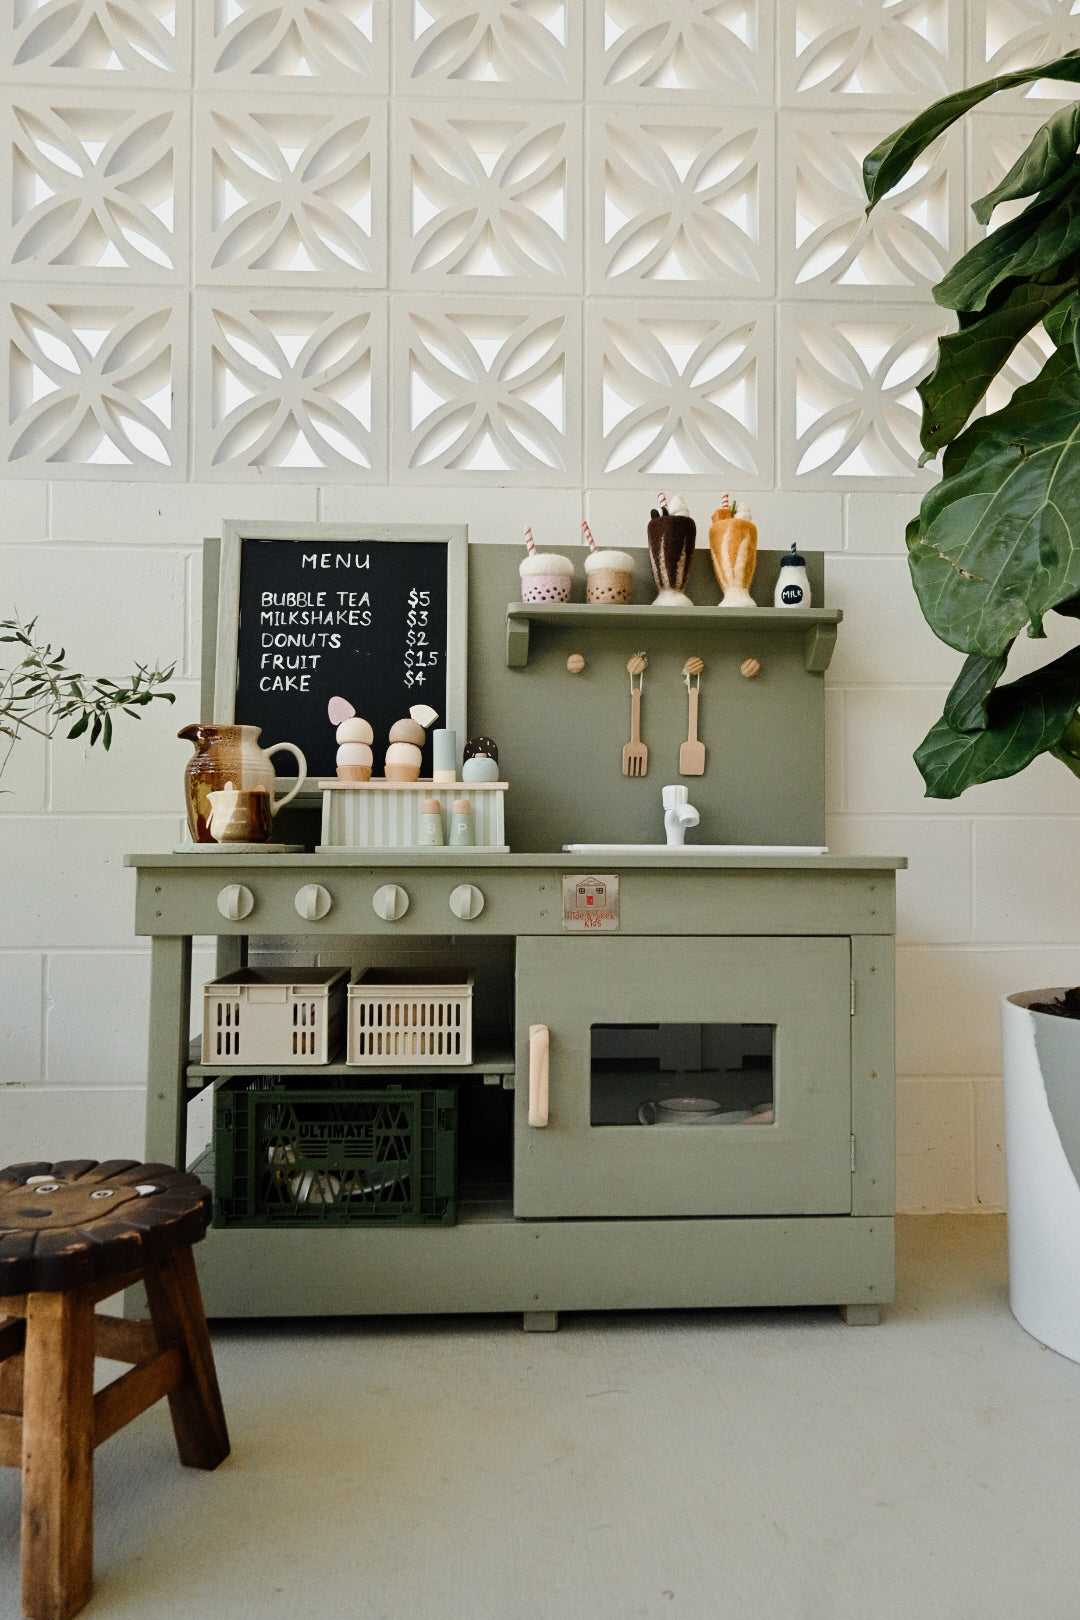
column 892, row 158
column 1061, row 321
column 1046, row 158
column 969, row 360
column 998, row 541
column 1067, row 747
column 1028, row 401
column 1041, row 241
column 966, row 705
column 1022, row 721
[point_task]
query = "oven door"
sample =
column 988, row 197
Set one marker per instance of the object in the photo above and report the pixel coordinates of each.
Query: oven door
column 705, row 1076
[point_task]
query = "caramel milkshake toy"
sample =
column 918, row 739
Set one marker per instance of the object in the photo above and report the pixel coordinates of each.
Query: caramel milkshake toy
column 733, row 544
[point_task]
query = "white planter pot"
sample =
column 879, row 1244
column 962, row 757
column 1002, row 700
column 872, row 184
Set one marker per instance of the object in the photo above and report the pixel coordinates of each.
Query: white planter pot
column 1041, row 1059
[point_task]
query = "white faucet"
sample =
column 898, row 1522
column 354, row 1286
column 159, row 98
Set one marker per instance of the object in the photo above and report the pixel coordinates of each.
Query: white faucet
column 678, row 814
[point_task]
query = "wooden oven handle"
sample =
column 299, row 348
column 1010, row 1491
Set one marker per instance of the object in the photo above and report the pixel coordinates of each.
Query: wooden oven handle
column 539, row 1049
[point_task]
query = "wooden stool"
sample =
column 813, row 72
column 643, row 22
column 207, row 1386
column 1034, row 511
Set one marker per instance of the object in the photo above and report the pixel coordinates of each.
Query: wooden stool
column 70, row 1235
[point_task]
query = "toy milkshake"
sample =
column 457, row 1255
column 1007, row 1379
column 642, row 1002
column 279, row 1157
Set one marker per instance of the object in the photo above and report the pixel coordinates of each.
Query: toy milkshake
column 733, row 544
column 545, row 577
column 672, row 533
column 609, row 575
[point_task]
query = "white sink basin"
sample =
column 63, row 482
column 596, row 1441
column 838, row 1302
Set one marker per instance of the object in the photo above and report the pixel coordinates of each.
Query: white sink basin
column 695, row 849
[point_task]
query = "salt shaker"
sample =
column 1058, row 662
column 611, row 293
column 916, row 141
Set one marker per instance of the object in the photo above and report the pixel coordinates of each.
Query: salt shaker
column 792, row 586
column 431, row 822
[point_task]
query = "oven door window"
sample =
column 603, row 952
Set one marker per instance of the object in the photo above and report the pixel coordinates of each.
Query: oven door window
column 682, row 1075
column 747, row 1022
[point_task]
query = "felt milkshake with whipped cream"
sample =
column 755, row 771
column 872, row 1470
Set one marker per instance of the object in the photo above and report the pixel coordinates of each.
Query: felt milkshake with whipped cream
column 672, row 534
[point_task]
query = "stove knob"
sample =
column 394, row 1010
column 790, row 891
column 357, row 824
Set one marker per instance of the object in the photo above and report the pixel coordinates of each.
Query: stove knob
column 235, row 902
column 313, row 902
column 467, row 901
column 391, row 902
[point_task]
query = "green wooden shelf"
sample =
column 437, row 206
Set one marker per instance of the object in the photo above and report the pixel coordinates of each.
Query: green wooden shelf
column 489, row 1059
column 817, row 624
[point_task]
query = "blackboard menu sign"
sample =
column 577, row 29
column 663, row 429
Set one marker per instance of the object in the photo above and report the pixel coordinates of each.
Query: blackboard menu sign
column 373, row 614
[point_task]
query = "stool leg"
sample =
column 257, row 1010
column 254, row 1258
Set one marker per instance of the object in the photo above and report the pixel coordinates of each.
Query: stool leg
column 176, row 1310
column 58, row 1455
column 11, row 1385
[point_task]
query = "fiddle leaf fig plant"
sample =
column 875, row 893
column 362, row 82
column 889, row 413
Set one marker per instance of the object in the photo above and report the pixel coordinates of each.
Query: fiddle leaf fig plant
column 996, row 543
column 39, row 692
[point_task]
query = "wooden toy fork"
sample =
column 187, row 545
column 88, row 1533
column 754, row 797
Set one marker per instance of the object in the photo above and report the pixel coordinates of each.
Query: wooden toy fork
column 635, row 755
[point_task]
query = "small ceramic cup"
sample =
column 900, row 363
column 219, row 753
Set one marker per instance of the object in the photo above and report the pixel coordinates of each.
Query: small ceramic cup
column 240, row 816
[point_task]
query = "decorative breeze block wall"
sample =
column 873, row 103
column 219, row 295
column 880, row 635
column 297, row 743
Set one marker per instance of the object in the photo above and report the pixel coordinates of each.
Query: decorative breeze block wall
column 518, row 242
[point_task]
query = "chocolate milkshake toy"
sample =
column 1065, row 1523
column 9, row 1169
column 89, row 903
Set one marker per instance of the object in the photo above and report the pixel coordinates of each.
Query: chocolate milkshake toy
column 672, row 532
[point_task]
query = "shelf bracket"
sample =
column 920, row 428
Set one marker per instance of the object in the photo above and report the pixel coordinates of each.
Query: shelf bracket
column 517, row 642
column 818, row 643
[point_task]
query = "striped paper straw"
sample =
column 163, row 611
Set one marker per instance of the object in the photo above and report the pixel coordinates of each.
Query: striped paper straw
column 530, row 546
column 587, row 532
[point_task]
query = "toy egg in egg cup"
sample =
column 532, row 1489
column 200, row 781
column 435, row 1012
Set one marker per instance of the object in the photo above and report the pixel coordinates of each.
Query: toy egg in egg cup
column 354, row 738
column 407, row 738
column 545, row 577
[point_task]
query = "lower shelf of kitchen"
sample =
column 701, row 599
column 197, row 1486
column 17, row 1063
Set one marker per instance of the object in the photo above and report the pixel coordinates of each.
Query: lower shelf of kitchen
column 491, row 1262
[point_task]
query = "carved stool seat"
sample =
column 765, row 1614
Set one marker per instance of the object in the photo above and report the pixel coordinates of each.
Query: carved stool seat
column 70, row 1235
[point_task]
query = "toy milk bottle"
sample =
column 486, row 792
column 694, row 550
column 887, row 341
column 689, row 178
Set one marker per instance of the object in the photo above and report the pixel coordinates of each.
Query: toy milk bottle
column 792, row 585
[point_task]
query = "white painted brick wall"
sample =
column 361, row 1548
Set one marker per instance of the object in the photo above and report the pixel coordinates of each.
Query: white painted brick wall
column 647, row 192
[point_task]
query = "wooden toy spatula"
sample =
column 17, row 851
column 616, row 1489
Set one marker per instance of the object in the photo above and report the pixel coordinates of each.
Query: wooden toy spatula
column 692, row 752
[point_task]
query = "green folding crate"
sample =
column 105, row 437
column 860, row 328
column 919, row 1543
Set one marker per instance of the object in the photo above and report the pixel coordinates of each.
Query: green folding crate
column 288, row 1154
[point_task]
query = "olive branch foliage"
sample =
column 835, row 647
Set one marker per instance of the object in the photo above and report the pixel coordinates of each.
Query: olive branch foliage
column 39, row 693
column 996, row 542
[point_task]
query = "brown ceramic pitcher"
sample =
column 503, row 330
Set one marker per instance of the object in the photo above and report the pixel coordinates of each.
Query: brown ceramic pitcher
column 231, row 754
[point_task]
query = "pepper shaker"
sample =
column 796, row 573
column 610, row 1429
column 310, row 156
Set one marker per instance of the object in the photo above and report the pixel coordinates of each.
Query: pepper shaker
column 462, row 825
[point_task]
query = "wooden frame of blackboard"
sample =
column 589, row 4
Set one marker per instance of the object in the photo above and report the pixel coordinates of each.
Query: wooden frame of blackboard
column 236, row 531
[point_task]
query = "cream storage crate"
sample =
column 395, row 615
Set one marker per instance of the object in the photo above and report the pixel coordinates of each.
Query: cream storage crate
column 410, row 1025
column 275, row 1015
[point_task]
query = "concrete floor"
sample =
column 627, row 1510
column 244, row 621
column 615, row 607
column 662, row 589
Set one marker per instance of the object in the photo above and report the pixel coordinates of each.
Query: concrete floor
column 759, row 1465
